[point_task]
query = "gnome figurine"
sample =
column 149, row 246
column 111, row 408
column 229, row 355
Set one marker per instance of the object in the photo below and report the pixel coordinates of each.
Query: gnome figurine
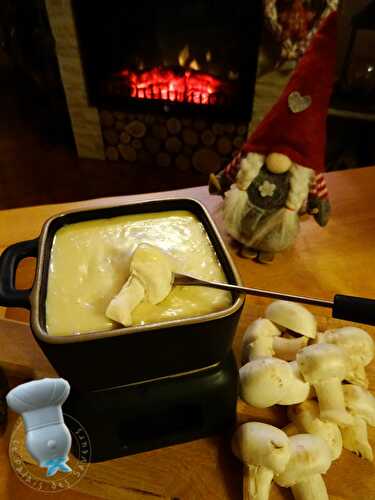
column 48, row 440
column 277, row 175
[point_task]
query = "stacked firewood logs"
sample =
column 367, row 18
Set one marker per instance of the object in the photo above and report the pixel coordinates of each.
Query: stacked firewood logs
column 157, row 140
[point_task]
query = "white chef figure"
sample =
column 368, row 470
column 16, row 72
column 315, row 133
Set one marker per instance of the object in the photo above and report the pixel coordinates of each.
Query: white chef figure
column 48, row 440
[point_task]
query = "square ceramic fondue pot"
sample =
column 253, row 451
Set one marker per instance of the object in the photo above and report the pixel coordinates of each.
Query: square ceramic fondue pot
column 123, row 356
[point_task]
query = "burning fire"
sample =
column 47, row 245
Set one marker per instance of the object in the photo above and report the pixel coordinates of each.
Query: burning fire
column 167, row 85
column 184, row 84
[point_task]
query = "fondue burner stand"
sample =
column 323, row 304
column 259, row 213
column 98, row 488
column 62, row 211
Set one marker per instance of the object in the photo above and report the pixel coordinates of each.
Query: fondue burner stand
column 156, row 413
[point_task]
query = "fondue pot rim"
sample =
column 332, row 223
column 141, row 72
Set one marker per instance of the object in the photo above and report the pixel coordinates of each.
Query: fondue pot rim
column 41, row 275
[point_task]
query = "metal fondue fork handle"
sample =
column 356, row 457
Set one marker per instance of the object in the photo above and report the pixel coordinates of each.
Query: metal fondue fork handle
column 345, row 307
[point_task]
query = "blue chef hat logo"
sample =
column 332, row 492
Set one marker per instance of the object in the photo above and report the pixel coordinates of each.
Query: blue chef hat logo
column 48, row 439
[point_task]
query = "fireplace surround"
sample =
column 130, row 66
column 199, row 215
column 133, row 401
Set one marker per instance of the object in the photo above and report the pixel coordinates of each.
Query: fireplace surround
column 168, row 84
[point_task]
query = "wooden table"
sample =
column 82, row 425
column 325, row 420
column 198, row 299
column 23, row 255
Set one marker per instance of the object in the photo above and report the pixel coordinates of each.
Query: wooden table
column 338, row 258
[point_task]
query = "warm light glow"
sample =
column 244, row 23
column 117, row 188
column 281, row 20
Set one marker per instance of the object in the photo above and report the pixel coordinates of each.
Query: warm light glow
column 232, row 75
column 183, row 56
column 194, row 65
column 168, row 85
column 208, row 56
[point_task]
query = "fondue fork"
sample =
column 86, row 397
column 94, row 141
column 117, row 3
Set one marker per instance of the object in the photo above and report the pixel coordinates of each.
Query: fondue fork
column 344, row 307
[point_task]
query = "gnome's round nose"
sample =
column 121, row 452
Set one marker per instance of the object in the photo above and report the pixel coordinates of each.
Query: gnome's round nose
column 48, row 440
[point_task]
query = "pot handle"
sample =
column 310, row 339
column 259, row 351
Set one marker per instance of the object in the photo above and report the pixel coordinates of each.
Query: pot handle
column 9, row 260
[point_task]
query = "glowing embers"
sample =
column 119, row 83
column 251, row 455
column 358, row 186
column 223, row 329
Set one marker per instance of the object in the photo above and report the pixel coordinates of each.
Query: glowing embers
column 178, row 85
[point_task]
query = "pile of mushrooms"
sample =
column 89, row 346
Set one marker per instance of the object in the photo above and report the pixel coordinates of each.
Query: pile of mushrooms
column 321, row 378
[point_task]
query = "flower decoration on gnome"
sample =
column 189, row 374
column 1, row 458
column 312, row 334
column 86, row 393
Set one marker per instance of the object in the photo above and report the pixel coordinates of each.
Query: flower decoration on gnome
column 48, row 440
column 278, row 174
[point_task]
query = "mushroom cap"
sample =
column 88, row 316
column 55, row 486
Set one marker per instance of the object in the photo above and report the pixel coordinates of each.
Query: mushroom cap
column 357, row 343
column 292, row 316
column 309, row 455
column 319, row 362
column 257, row 330
column 360, row 402
column 261, row 327
column 264, row 381
column 299, row 390
column 256, row 443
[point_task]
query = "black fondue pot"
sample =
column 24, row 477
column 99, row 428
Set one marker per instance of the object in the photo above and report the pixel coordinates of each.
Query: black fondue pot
column 122, row 356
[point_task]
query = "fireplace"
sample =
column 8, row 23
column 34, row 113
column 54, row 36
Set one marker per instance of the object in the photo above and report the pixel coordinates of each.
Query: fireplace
column 172, row 82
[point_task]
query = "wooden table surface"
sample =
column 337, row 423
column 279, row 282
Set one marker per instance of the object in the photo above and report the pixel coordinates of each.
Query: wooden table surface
column 336, row 259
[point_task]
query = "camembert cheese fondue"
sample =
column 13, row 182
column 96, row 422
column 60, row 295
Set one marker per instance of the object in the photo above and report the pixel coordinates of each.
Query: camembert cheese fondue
column 90, row 263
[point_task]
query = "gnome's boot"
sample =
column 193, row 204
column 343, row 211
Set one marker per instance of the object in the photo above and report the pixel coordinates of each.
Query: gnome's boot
column 251, row 253
column 248, row 252
column 266, row 257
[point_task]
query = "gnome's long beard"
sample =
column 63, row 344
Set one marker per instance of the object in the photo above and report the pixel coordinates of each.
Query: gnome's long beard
column 235, row 208
column 236, row 202
column 275, row 234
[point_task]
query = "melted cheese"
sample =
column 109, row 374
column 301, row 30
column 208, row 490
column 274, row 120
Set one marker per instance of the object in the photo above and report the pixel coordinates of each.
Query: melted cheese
column 90, row 263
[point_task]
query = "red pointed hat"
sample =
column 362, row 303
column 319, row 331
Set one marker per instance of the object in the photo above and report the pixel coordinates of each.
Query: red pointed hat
column 296, row 124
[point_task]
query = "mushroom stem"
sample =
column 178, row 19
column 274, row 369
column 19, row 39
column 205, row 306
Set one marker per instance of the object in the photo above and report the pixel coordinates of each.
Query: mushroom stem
column 331, row 401
column 306, row 417
column 291, row 429
column 357, row 375
column 287, row 348
column 257, row 482
column 312, row 488
column 260, row 348
column 355, row 439
column 257, row 340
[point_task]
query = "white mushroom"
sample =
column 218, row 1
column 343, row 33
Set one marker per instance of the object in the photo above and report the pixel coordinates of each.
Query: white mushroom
column 292, row 316
column 291, row 429
column 310, row 457
column 258, row 339
column 361, row 404
column 150, row 279
column 153, row 268
column 355, row 439
column 305, row 416
column 265, row 382
column 287, row 348
column 264, row 450
column 122, row 305
column 358, row 345
column 299, row 389
column 324, row 366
